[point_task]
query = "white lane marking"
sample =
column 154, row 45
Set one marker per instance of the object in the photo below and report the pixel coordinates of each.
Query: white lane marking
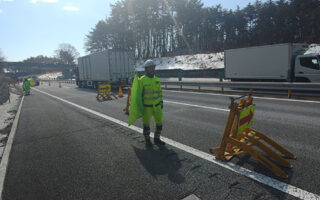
column 83, row 95
column 229, row 95
column 198, row 106
column 7, row 151
column 284, row 187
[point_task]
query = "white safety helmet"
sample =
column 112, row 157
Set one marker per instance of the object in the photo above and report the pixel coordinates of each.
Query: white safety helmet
column 149, row 63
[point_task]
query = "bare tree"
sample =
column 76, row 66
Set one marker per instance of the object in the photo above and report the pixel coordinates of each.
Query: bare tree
column 67, row 53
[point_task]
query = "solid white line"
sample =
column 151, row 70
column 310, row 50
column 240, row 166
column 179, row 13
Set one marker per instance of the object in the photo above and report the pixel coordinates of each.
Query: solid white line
column 230, row 95
column 290, row 100
column 198, row 106
column 284, row 187
column 7, row 151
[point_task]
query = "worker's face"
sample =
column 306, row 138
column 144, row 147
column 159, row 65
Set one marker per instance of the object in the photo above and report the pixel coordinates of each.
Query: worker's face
column 150, row 70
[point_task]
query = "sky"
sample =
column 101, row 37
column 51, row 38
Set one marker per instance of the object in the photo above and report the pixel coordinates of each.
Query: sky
column 37, row 27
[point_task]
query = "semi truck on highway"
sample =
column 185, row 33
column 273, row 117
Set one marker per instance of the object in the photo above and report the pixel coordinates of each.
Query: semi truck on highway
column 110, row 66
column 279, row 62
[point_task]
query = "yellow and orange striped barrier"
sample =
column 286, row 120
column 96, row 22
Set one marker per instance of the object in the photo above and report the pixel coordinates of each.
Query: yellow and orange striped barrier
column 240, row 138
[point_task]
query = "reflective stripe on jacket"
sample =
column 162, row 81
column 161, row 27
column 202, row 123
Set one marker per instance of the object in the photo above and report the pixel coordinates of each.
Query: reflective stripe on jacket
column 151, row 91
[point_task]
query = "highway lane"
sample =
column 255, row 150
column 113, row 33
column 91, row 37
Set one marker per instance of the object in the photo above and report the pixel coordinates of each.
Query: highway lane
column 63, row 153
column 202, row 129
column 293, row 124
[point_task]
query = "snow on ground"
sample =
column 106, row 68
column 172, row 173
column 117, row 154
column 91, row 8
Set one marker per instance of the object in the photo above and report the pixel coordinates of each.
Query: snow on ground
column 313, row 48
column 50, row 76
column 200, row 61
column 187, row 62
column 7, row 116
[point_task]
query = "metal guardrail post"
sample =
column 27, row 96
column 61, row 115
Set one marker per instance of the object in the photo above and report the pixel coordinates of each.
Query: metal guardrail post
column 180, row 87
column 222, row 90
column 289, row 94
column 199, row 88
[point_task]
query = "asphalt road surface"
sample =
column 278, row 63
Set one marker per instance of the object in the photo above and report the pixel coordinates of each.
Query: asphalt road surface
column 68, row 145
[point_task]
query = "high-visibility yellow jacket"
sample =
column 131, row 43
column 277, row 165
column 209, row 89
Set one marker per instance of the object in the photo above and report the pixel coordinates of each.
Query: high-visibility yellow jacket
column 26, row 86
column 151, row 91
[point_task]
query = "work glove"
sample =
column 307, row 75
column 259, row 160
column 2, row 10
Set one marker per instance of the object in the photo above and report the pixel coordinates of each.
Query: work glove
column 161, row 104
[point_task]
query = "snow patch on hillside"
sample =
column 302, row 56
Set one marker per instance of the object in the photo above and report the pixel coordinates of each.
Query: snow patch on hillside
column 50, row 76
column 187, row 62
column 313, row 48
column 200, row 61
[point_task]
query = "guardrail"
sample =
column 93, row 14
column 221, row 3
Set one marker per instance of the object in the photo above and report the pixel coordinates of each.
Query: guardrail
column 61, row 81
column 289, row 87
column 277, row 86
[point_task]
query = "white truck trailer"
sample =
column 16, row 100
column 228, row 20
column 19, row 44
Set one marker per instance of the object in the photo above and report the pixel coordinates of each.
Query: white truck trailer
column 279, row 62
column 109, row 66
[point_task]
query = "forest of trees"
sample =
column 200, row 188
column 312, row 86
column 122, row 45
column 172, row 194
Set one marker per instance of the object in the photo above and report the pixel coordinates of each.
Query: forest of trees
column 42, row 59
column 65, row 54
column 156, row 28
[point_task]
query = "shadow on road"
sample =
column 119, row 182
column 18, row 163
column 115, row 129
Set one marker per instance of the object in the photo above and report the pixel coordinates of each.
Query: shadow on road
column 161, row 161
column 246, row 160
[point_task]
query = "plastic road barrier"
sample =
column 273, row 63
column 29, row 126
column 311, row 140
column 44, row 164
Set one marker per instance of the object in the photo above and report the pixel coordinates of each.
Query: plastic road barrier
column 104, row 92
column 239, row 138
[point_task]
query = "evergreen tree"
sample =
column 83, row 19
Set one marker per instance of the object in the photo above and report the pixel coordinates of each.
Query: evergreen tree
column 154, row 28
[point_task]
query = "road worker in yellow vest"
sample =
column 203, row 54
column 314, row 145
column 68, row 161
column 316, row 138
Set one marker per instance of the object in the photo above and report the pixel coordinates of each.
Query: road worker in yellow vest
column 152, row 103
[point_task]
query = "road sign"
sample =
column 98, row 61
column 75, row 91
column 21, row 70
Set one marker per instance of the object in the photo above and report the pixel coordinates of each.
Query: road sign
column 104, row 92
column 103, row 88
column 246, row 118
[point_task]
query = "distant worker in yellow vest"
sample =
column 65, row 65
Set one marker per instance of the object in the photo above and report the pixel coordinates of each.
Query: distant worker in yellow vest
column 26, row 86
column 152, row 103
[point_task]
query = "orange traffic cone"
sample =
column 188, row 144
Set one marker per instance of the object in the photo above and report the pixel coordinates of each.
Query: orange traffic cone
column 120, row 92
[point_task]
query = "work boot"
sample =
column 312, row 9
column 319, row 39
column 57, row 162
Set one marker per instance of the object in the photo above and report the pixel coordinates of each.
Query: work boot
column 146, row 133
column 148, row 143
column 157, row 141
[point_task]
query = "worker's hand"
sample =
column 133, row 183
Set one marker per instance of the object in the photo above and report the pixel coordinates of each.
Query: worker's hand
column 161, row 104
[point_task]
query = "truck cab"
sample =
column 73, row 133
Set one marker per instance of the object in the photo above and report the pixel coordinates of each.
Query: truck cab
column 307, row 68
